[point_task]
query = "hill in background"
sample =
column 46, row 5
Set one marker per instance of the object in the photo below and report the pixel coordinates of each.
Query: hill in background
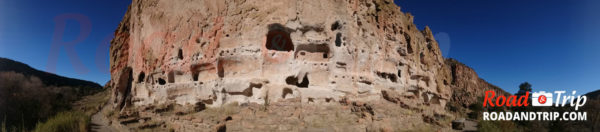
column 49, row 79
column 29, row 96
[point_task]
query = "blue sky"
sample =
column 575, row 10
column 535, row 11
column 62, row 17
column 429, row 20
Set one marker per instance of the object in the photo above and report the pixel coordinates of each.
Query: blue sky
column 27, row 28
column 551, row 44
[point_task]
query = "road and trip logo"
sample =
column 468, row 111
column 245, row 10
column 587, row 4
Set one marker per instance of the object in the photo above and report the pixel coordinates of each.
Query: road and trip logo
column 540, row 104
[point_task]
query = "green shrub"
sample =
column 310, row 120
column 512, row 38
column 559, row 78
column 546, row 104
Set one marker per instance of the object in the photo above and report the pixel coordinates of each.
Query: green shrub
column 65, row 122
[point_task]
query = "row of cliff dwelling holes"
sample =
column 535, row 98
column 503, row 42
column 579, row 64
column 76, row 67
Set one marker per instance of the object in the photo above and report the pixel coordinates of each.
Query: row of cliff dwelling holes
column 361, row 79
column 314, row 48
column 161, row 81
column 142, row 76
column 195, row 75
column 312, row 100
column 224, row 52
column 278, row 37
column 389, row 76
column 336, row 76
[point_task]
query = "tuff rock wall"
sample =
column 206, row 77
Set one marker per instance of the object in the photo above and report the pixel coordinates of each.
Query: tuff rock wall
column 207, row 52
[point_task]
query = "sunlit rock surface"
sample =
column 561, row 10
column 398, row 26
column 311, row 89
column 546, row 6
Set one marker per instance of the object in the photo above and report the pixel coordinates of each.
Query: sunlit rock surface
column 312, row 52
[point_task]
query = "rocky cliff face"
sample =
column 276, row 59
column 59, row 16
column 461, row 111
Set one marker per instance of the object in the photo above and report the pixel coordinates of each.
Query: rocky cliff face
column 467, row 86
column 213, row 53
column 218, row 52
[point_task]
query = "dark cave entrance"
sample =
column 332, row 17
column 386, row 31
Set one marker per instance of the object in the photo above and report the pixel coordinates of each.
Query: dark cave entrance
column 278, row 38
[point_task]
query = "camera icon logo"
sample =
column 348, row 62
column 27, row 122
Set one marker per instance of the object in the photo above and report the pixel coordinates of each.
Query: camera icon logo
column 541, row 99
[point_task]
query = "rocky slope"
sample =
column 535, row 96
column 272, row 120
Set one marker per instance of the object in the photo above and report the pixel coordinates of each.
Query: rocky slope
column 593, row 94
column 301, row 53
column 467, row 86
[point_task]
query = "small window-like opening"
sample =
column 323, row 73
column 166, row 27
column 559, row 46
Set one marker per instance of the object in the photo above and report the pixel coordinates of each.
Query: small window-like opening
column 335, row 26
column 161, row 81
column 324, row 55
column 141, row 77
column 180, row 54
column 286, row 91
column 304, row 83
column 338, row 40
column 393, row 78
column 195, row 75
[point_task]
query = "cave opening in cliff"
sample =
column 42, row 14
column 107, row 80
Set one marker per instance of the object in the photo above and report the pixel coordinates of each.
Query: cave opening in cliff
column 292, row 80
column 285, row 92
column 322, row 49
column 408, row 43
column 141, row 77
column 195, row 74
column 389, row 76
column 304, row 83
column 162, row 81
column 338, row 39
column 399, row 73
column 180, row 54
column 278, row 38
column 335, row 26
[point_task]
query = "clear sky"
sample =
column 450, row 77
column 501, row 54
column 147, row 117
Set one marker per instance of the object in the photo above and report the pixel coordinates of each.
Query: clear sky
column 27, row 29
column 551, row 44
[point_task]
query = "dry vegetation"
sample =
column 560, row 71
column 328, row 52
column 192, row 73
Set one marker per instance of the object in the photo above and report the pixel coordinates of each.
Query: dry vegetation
column 25, row 101
column 78, row 118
